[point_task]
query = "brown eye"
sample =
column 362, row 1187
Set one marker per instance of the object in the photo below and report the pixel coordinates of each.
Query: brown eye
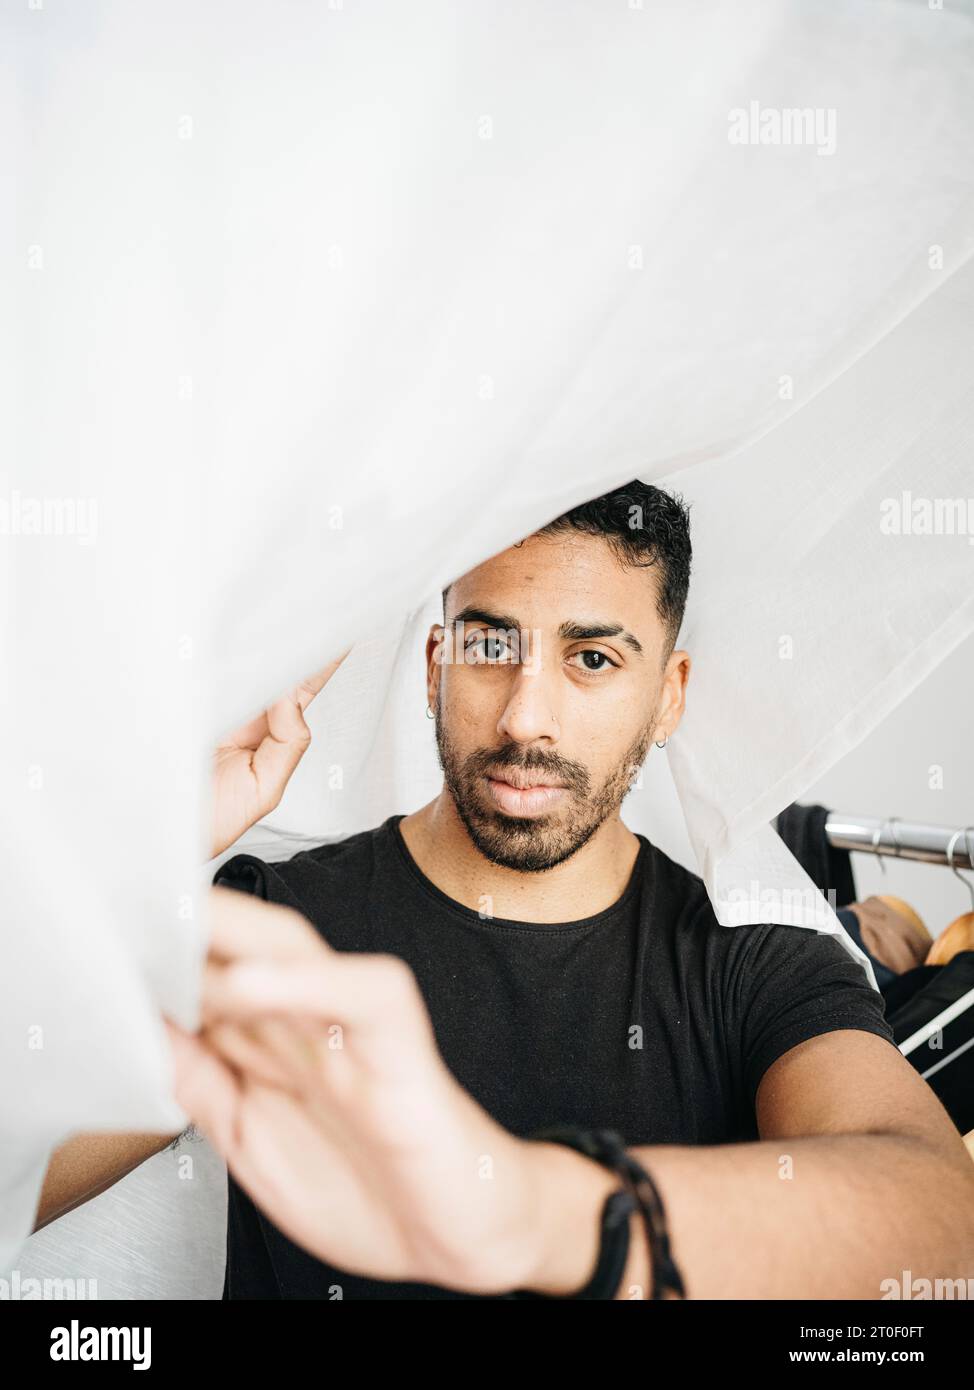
column 605, row 662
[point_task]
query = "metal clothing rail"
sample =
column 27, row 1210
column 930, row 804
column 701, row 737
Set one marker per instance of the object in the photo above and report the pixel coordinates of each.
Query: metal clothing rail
column 933, row 844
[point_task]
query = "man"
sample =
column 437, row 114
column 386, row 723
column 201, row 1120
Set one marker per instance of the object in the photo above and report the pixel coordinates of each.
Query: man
column 376, row 1116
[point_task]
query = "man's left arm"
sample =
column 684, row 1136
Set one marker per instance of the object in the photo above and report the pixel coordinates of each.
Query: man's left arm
column 859, row 1175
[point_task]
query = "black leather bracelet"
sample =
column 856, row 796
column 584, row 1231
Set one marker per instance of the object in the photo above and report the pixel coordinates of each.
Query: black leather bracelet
column 613, row 1252
column 639, row 1191
column 666, row 1276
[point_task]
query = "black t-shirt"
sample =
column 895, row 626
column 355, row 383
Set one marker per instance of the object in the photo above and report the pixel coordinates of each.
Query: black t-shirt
column 649, row 1018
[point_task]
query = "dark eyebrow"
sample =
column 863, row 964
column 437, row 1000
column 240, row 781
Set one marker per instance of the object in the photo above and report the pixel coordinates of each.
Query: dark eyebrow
column 478, row 615
column 571, row 632
column 581, row 632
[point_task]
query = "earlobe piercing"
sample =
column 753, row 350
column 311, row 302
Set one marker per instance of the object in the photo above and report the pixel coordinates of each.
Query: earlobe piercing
column 663, row 744
column 429, row 713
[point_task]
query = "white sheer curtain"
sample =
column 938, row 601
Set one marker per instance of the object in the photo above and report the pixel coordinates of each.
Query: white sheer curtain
column 322, row 305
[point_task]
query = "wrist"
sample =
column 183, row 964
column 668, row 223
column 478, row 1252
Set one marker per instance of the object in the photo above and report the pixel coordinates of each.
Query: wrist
column 569, row 1191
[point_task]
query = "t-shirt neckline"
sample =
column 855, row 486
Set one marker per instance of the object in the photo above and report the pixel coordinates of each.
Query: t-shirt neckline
column 467, row 914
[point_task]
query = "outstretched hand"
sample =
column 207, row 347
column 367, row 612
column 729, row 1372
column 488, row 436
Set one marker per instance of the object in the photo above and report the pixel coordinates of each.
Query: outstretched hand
column 252, row 766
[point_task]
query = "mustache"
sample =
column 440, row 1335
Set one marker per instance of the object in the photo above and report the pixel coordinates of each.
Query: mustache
column 487, row 760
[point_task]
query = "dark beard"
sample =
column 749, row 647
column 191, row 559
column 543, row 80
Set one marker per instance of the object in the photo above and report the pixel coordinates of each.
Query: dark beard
column 533, row 843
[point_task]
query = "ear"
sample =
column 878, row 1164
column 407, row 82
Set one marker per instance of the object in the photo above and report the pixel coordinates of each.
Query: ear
column 673, row 694
column 437, row 651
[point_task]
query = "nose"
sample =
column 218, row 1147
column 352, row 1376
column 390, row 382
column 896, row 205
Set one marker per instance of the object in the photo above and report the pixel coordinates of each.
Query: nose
column 530, row 712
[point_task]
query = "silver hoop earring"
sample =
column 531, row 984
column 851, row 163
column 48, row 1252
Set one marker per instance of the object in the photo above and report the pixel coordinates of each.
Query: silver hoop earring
column 663, row 744
column 429, row 713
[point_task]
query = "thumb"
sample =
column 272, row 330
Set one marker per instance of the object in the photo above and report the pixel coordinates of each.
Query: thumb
column 304, row 693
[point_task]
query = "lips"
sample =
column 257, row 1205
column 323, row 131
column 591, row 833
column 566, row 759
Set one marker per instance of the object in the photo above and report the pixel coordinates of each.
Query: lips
column 526, row 783
column 532, row 799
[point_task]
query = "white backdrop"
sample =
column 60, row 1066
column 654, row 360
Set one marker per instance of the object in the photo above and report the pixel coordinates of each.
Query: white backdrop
column 320, row 306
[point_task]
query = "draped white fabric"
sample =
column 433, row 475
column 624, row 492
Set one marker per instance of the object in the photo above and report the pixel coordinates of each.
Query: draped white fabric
column 321, row 305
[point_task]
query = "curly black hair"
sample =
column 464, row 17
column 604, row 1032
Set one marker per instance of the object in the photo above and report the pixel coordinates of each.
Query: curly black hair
column 645, row 526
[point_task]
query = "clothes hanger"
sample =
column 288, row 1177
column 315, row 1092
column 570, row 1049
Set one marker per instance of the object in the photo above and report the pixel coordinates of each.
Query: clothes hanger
column 959, row 935
column 910, row 949
column 892, row 932
column 906, row 911
column 935, row 1025
column 901, row 906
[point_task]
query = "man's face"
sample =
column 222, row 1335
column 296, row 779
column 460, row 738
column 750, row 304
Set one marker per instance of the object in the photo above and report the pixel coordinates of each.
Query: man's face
column 549, row 670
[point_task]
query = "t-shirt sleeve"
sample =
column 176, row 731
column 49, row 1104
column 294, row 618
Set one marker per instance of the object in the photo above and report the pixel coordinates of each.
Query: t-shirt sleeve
column 793, row 983
column 245, row 873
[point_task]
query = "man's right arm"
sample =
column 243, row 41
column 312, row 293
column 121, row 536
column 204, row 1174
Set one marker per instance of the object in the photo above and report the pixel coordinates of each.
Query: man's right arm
column 88, row 1164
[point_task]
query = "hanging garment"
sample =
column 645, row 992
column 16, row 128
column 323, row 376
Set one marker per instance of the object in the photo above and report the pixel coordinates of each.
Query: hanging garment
column 945, row 1059
column 884, row 975
column 890, row 932
column 802, row 828
column 319, row 307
